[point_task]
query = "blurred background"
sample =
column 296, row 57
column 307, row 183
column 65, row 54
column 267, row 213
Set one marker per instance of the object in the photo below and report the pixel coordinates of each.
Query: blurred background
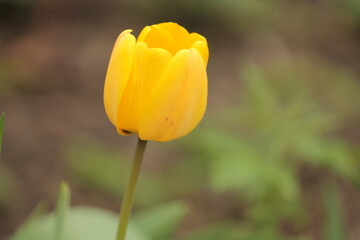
column 275, row 157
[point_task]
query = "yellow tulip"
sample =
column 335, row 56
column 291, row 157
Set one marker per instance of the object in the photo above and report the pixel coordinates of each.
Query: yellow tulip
column 156, row 85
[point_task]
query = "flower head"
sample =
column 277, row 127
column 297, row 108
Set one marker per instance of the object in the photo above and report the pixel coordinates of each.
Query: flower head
column 156, row 85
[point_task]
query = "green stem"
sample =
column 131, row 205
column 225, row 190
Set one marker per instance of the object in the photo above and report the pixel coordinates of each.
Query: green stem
column 129, row 194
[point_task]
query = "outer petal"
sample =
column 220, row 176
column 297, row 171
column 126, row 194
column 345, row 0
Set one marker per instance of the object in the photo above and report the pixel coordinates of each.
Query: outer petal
column 118, row 73
column 200, row 43
column 177, row 102
column 149, row 65
column 143, row 34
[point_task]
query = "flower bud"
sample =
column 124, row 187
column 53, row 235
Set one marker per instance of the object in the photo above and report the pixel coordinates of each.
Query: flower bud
column 156, row 85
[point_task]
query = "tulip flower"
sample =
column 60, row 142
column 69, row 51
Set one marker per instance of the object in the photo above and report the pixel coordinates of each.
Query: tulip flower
column 156, row 85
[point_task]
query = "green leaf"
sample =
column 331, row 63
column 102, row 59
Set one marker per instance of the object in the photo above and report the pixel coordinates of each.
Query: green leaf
column 1, row 129
column 81, row 223
column 336, row 154
column 215, row 232
column 334, row 221
column 73, row 224
column 61, row 209
column 160, row 222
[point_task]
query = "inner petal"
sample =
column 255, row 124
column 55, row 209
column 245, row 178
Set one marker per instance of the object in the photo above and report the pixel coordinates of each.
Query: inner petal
column 160, row 38
column 180, row 34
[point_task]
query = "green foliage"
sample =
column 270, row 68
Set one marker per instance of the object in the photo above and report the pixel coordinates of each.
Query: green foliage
column 61, row 210
column 226, row 231
column 161, row 221
column 94, row 223
column 230, row 231
column 335, row 154
column 94, row 165
column 255, row 151
column 81, row 223
column 353, row 7
column 334, row 225
column 97, row 166
column 284, row 120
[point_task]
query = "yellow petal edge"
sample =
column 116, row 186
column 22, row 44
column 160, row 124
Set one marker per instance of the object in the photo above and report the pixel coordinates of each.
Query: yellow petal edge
column 118, row 73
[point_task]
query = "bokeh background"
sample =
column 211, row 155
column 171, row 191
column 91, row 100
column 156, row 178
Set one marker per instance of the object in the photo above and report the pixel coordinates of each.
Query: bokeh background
column 275, row 157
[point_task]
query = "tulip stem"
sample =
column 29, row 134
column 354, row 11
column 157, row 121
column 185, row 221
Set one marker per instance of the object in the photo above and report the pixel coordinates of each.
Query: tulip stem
column 128, row 197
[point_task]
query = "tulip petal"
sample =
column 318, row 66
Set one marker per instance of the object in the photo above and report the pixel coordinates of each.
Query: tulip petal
column 202, row 48
column 143, row 34
column 197, row 37
column 118, row 73
column 159, row 38
column 179, row 33
column 177, row 102
column 200, row 44
column 149, row 65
